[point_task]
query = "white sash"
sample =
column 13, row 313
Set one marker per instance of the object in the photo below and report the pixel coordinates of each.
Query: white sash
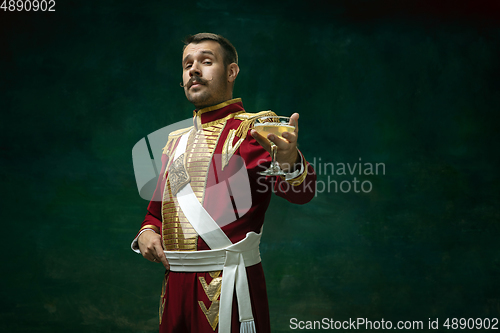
column 201, row 221
column 234, row 272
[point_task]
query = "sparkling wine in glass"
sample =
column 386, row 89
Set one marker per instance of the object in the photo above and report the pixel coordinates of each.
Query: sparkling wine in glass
column 276, row 125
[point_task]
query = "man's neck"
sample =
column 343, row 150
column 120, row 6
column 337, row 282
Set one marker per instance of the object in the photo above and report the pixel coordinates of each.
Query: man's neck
column 227, row 98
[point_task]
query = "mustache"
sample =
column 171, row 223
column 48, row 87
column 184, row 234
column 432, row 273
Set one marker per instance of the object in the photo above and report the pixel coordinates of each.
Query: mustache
column 193, row 79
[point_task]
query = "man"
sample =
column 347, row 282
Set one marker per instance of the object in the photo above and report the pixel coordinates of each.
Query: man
column 208, row 244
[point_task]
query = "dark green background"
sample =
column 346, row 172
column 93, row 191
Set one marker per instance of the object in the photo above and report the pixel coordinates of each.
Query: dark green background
column 413, row 86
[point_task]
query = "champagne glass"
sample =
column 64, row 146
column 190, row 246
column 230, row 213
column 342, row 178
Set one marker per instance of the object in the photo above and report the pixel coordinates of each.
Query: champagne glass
column 276, row 125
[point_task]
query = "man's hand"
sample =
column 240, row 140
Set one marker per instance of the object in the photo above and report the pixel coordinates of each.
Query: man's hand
column 151, row 247
column 287, row 154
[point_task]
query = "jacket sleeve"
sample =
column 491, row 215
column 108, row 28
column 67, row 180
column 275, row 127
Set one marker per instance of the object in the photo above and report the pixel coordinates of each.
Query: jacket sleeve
column 300, row 189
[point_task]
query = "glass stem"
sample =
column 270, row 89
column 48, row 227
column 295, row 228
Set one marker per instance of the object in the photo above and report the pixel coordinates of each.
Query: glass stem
column 274, row 150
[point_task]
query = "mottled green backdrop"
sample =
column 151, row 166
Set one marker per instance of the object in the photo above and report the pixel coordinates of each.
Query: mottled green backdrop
column 414, row 86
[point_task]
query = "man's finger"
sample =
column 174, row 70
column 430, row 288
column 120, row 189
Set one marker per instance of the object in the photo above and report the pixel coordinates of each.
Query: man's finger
column 282, row 144
column 291, row 137
column 161, row 256
column 294, row 121
column 164, row 261
column 261, row 140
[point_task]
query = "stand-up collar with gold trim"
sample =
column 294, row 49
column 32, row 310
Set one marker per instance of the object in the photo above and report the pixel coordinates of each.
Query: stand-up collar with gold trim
column 219, row 112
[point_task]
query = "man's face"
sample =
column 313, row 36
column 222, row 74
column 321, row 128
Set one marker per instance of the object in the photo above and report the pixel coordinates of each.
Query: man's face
column 204, row 75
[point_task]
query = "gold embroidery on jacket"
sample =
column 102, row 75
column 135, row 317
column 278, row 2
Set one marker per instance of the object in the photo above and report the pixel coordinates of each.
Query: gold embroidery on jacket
column 212, row 313
column 178, row 175
column 222, row 120
column 162, row 297
column 178, row 233
column 247, row 120
column 216, row 107
column 300, row 178
column 212, row 291
column 150, row 226
column 214, row 274
column 228, row 149
column 199, row 156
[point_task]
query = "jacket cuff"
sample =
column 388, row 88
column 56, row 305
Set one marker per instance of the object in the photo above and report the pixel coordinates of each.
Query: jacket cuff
column 135, row 244
column 297, row 177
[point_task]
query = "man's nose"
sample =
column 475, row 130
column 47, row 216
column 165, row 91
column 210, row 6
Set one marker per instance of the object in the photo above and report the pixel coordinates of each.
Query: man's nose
column 195, row 69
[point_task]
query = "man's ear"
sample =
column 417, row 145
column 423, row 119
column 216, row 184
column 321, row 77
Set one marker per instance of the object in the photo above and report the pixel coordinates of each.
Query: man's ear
column 232, row 72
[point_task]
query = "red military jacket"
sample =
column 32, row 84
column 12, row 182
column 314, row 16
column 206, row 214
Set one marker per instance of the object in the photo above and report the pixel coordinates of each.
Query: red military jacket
column 219, row 146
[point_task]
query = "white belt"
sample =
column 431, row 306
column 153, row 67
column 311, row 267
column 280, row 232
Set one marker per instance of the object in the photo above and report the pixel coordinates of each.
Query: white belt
column 213, row 260
column 232, row 260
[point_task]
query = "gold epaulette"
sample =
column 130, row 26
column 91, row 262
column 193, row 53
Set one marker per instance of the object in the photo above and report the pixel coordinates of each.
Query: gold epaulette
column 247, row 120
column 174, row 136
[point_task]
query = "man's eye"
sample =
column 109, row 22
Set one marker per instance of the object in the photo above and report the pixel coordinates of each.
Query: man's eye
column 207, row 62
column 187, row 66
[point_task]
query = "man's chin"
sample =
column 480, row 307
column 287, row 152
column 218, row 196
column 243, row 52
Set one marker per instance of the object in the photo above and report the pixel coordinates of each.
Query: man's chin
column 198, row 100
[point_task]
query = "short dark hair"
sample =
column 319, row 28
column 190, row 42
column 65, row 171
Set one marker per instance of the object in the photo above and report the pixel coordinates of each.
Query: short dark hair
column 229, row 51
